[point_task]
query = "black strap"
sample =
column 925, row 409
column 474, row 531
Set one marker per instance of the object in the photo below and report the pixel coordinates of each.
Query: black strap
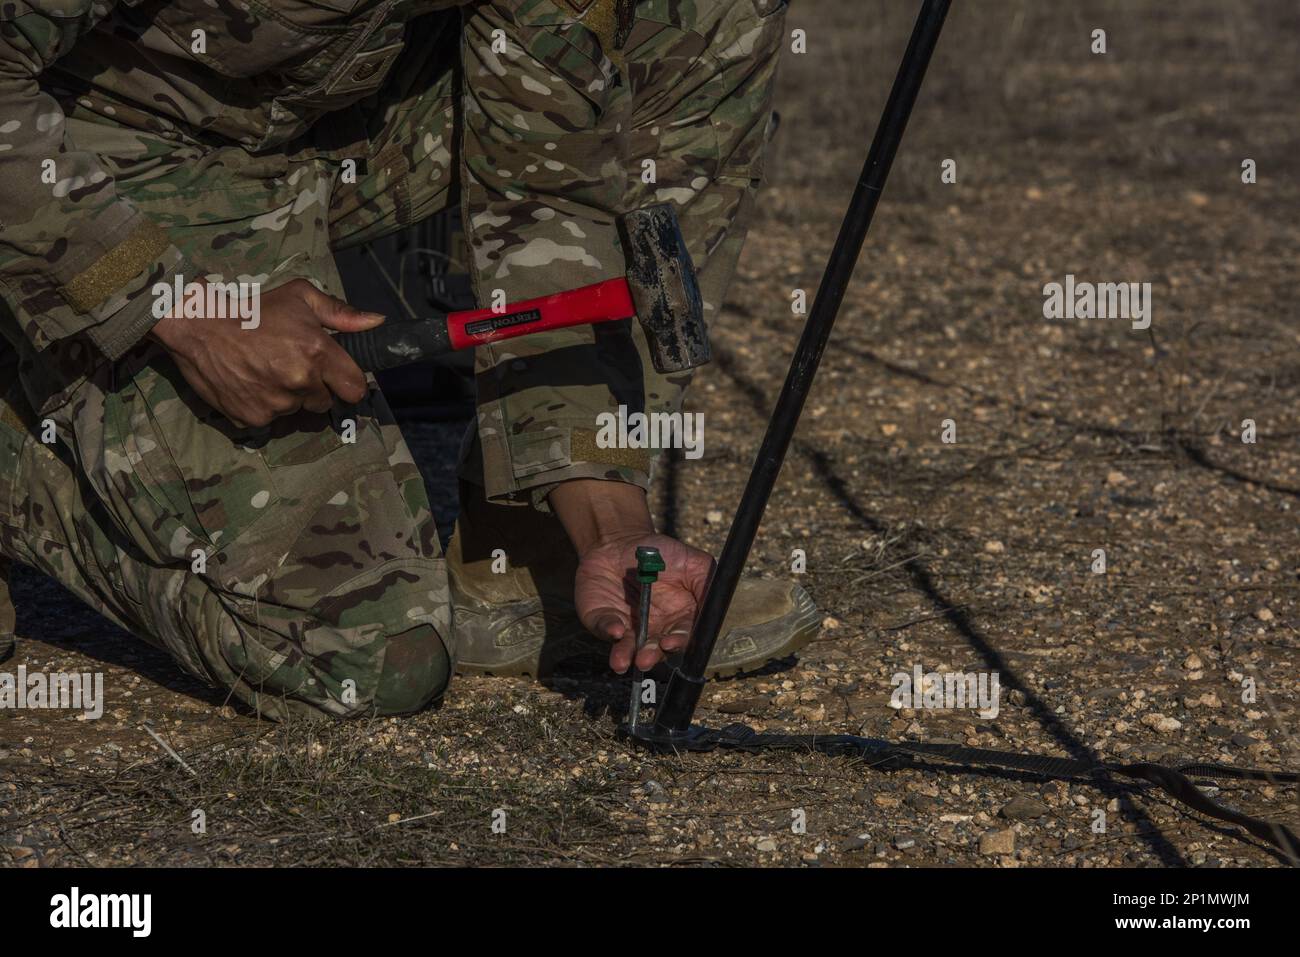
column 624, row 19
column 1173, row 781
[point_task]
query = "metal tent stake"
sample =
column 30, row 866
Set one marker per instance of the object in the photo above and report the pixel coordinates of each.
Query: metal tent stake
column 673, row 716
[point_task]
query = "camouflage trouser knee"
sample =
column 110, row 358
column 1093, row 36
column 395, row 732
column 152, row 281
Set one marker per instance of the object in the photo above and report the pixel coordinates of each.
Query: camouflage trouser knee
column 294, row 568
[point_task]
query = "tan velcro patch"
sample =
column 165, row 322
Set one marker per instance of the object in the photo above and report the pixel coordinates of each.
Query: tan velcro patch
column 117, row 267
column 610, row 20
column 583, row 448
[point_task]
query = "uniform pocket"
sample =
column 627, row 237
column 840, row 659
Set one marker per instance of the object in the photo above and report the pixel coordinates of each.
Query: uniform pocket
column 251, row 38
column 187, row 478
column 305, row 438
column 550, row 33
column 747, row 47
column 702, row 78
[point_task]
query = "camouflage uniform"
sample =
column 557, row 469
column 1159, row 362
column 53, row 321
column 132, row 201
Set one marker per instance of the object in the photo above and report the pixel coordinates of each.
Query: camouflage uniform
column 242, row 140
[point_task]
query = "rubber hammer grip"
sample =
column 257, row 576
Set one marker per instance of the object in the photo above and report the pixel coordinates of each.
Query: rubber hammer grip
column 397, row 343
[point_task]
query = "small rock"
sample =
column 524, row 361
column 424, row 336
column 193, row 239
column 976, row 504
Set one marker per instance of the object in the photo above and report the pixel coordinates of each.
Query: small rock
column 994, row 547
column 920, row 802
column 750, row 705
column 655, row 793
column 1160, row 722
column 905, row 841
column 766, row 845
column 1264, row 614
column 713, row 517
column 998, row 843
column 856, row 843
column 1022, row 808
column 1104, row 694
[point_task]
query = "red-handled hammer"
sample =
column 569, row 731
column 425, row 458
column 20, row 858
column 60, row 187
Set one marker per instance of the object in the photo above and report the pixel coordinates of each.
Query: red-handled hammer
column 660, row 289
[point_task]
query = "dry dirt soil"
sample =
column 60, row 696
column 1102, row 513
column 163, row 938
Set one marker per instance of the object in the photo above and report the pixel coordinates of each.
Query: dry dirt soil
column 973, row 555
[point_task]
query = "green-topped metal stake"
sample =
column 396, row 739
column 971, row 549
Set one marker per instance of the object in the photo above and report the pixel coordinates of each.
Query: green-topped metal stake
column 649, row 563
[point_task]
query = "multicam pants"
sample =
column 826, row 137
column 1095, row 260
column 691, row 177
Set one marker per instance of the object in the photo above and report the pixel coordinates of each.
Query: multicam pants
column 296, row 568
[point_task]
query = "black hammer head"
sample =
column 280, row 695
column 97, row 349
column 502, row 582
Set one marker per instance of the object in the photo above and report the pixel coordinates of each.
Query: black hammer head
column 664, row 288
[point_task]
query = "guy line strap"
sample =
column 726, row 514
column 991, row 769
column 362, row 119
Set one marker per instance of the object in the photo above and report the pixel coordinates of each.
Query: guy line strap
column 1173, row 781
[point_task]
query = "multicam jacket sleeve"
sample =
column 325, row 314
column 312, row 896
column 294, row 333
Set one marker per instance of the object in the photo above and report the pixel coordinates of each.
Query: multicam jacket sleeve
column 78, row 257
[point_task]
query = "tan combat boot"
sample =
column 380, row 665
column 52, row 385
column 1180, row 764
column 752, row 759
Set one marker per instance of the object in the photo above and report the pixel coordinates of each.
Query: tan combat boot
column 7, row 616
column 521, row 620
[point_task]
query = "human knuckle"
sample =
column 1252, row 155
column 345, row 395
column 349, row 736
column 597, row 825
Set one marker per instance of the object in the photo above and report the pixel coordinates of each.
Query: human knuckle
column 296, row 377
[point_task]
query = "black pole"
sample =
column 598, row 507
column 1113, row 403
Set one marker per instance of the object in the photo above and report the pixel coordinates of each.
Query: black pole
column 673, row 716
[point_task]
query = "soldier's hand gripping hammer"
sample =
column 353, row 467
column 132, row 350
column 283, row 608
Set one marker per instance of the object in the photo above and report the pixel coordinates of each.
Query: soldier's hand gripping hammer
column 660, row 289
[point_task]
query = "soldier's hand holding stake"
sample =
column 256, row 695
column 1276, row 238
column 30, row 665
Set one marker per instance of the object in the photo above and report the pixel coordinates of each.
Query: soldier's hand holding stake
column 607, row 522
column 649, row 563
